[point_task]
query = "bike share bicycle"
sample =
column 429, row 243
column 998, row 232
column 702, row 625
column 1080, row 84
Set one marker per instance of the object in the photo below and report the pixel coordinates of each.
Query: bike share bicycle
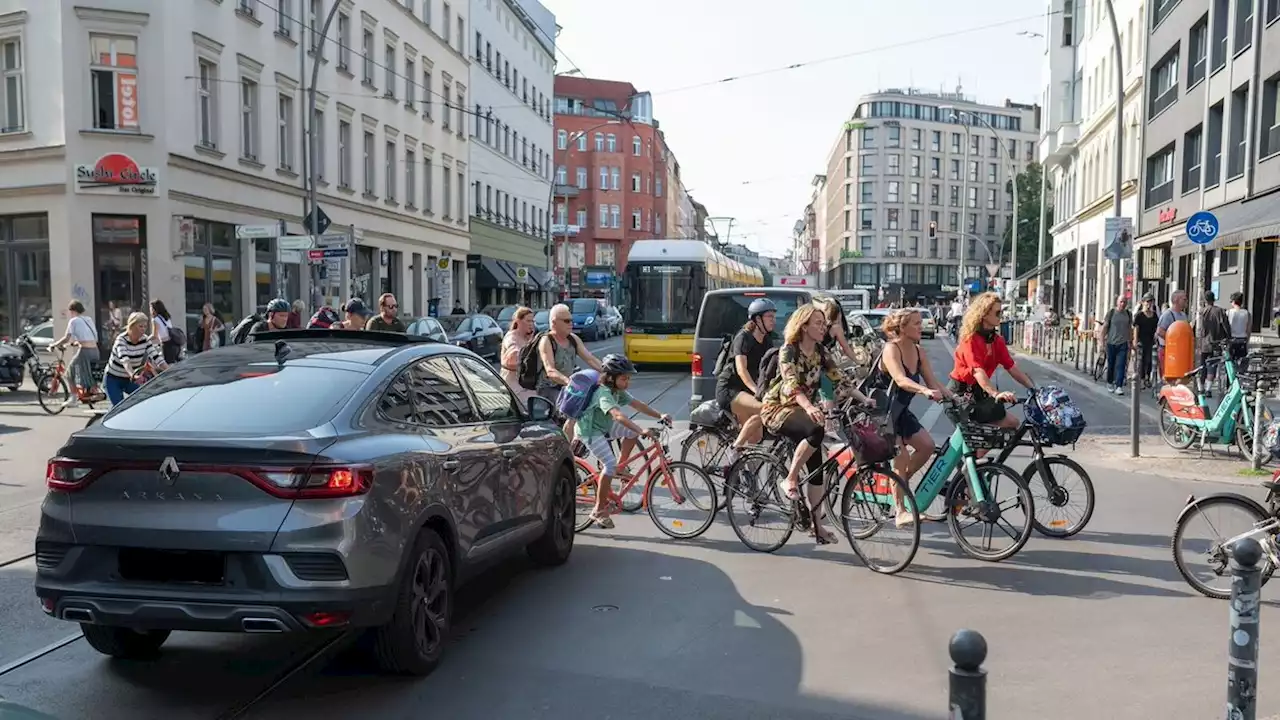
column 1185, row 414
column 1261, row 369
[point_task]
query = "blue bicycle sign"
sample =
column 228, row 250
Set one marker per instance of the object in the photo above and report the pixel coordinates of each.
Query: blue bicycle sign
column 1202, row 227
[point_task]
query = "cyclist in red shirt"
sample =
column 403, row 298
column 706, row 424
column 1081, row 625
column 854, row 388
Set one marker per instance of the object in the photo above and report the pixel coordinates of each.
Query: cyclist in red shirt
column 979, row 352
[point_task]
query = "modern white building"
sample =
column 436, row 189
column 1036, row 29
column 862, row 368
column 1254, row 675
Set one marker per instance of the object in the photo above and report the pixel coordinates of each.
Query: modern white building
column 1077, row 146
column 147, row 130
column 512, row 132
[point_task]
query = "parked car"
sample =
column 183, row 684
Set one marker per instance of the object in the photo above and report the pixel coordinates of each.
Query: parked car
column 41, row 335
column 875, row 319
column 722, row 315
column 12, row 362
column 428, row 327
column 613, row 320
column 308, row 481
column 542, row 320
column 504, row 316
column 928, row 324
column 478, row 333
column 588, row 318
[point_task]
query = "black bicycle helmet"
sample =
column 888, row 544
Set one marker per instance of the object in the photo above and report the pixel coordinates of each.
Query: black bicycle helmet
column 613, row 364
column 278, row 305
column 760, row 306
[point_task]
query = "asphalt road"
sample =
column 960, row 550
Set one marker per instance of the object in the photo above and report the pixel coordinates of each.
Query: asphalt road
column 637, row 626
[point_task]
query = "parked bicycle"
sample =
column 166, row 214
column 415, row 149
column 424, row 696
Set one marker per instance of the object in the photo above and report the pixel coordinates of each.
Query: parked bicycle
column 1185, row 416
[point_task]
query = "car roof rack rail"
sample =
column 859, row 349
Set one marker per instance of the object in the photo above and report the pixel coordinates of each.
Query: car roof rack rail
column 365, row 336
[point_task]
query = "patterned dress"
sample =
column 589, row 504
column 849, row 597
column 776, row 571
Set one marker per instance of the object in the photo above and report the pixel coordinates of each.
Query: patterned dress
column 798, row 373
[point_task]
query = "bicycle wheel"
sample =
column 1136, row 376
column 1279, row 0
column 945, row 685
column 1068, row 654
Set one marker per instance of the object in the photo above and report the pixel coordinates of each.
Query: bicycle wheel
column 633, row 498
column 1053, row 496
column 1100, row 368
column 705, row 447
column 53, row 400
column 1176, row 435
column 991, row 513
column 1213, row 549
column 757, row 504
column 869, row 517
column 1244, row 441
column 584, row 497
column 670, row 498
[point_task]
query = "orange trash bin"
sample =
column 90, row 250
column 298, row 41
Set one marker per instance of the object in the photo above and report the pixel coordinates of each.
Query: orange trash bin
column 1179, row 350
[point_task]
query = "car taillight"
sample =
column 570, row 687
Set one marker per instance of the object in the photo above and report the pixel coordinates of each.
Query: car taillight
column 63, row 475
column 695, row 364
column 314, row 483
column 630, row 330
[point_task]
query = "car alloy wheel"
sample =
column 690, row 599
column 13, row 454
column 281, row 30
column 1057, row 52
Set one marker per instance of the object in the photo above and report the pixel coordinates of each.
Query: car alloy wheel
column 563, row 513
column 430, row 602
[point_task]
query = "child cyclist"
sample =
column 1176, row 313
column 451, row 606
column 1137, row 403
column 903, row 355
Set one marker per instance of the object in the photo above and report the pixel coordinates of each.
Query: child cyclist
column 605, row 417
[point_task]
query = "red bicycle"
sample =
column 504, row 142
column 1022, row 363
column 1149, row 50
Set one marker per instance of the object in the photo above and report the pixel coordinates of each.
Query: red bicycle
column 679, row 496
column 54, row 395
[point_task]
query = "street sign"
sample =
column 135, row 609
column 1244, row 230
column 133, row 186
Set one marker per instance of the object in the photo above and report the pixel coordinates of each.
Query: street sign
column 296, row 242
column 522, row 275
column 1202, row 227
column 993, row 269
column 1119, row 234
column 289, row 256
column 321, row 219
column 254, row 232
column 328, row 253
column 332, row 240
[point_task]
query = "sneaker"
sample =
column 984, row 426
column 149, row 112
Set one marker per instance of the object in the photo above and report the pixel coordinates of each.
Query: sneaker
column 1119, row 391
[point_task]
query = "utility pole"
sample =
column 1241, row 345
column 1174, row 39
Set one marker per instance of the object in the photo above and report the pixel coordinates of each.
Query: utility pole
column 310, row 164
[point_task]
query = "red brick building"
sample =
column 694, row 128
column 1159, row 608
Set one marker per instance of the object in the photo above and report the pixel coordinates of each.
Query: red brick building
column 609, row 181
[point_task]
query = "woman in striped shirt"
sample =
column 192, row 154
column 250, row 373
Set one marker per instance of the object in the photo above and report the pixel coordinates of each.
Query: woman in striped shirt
column 132, row 352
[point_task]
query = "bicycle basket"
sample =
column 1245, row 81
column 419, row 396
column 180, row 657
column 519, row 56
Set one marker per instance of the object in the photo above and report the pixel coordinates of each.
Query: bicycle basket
column 985, row 437
column 1054, row 435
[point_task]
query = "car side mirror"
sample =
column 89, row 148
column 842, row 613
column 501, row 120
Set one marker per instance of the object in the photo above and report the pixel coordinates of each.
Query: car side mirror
column 855, row 331
column 539, row 408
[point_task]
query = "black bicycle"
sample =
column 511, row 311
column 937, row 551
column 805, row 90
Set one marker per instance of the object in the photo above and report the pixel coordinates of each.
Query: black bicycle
column 707, row 446
column 873, row 501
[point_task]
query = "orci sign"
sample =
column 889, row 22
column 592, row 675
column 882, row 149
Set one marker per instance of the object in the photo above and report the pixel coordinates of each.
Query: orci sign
column 114, row 174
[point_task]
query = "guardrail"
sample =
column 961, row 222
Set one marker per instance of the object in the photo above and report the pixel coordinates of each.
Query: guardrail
column 1060, row 344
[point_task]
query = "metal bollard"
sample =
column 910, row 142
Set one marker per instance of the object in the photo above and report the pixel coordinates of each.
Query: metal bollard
column 1242, row 651
column 968, row 689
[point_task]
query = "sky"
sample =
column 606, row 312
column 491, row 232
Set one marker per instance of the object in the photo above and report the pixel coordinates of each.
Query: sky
column 749, row 148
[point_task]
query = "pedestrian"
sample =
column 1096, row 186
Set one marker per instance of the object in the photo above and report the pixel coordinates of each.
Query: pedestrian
column 1241, row 323
column 559, row 350
column 82, row 334
column 357, row 315
column 457, row 308
column 211, row 328
column 519, row 335
column 1117, row 333
column 386, row 320
column 1212, row 329
column 131, row 354
column 1144, row 324
column 165, row 334
column 296, row 311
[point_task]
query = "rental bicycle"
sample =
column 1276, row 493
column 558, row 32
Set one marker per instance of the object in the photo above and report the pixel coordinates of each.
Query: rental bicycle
column 54, row 395
column 670, row 489
column 1252, row 519
column 1184, row 410
column 873, row 497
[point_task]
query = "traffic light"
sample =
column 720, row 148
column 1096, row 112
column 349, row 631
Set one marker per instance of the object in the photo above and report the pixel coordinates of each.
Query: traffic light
column 933, row 230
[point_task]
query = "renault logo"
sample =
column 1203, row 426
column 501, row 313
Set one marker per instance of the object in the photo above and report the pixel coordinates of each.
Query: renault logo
column 169, row 471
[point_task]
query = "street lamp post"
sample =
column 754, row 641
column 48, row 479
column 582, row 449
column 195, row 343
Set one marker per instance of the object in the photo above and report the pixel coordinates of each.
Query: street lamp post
column 551, row 192
column 964, row 201
column 311, row 170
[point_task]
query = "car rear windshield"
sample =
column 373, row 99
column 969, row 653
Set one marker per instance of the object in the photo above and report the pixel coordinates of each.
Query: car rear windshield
column 454, row 323
column 584, row 305
column 726, row 313
column 253, row 399
column 874, row 320
column 505, row 315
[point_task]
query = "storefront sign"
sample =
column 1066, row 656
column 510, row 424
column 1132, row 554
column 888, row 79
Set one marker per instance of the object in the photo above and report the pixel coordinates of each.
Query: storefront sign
column 1168, row 215
column 473, row 261
column 114, row 174
column 596, row 278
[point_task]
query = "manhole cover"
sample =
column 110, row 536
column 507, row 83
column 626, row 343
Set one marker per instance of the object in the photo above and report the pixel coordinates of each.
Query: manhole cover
column 604, row 608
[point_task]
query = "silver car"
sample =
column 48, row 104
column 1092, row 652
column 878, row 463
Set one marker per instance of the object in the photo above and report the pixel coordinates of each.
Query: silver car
column 308, row 481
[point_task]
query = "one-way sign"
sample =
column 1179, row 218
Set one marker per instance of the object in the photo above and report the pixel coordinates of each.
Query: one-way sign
column 321, row 219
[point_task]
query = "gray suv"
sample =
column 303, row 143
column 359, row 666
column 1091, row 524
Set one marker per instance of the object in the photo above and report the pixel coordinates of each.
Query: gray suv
column 723, row 314
column 308, row 481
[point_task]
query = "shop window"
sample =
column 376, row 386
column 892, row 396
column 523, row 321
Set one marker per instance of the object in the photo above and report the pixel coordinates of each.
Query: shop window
column 119, row 254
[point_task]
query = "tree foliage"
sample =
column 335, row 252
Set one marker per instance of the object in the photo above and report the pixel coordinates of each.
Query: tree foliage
column 1029, row 219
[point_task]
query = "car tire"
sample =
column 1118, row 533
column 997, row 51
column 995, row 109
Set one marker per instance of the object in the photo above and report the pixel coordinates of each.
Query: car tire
column 124, row 643
column 556, row 543
column 427, row 580
column 14, row 388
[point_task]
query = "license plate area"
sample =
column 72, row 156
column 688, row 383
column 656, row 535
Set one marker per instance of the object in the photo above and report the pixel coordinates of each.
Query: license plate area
column 172, row 566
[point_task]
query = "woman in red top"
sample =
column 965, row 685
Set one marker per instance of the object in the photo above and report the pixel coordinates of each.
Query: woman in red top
column 980, row 351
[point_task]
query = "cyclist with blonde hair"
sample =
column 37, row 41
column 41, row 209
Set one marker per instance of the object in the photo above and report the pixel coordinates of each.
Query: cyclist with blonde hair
column 912, row 375
column 979, row 352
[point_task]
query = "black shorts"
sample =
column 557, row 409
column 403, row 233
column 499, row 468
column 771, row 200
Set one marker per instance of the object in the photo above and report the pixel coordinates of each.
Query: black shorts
column 985, row 409
column 905, row 423
column 726, row 393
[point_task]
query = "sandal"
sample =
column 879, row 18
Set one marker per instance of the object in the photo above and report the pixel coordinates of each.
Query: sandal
column 604, row 521
column 823, row 536
column 790, row 493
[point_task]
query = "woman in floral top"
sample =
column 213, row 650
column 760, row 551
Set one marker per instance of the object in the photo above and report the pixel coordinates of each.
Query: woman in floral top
column 791, row 408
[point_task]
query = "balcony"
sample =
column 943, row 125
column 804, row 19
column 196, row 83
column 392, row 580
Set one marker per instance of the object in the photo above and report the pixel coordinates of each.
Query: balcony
column 1059, row 144
column 566, row 191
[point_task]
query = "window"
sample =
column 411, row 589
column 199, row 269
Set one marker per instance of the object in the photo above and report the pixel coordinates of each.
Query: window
column 991, row 199
column 866, row 220
column 448, row 22
column 370, row 183
column 1164, row 82
column 248, row 119
column 992, row 170
column 411, row 90
column 344, row 154
column 1218, row 42
column 935, row 167
column 894, row 164
column 1160, row 177
column 426, row 90
column 915, row 166
column 867, row 165
column 935, row 194
column 868, row 138
column 895, row 137
column 1191, row 148
column 954, row 193
column 914, row 193
column 492, row 397
column 604, row 216
column 390, row 179
column 1213, row 140
column 914, row 220
column 973, row 197
column 1244, row 24
column 635, row 182
column 604, row 178
column 582, row 217
column 12, row 98
column 611, row 141
column 284, row 18
column 599, row 142
column 437, row 395
column 582, row 142
column 446, row 90
column 1238, row 136
column 446, row 189
column 366, row 46
column 935, row 141
column 917, row 138
column 955, row 142
column 975, row 145
column 614, row 175
column 562, row 175
column 284, row 137
column 635, row 146
column 113, row 70
column 973, row 171
column 344, row 41
column 582, row 178
column 891, row 217
column 562, row 140
column 1272, row 11
column 1198, row 51
column 606, row 254
column 428, row 183
column 635, row 219
column 615, row 213
column 411, row 177
column 894, row 189
column 318, row 133
column 866, row 191
column 1269, row 130
column 462, row 195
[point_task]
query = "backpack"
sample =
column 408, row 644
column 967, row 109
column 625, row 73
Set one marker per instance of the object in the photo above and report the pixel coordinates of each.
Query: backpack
column 768, row 371
column 722, row 357
column 577, row 396
column 177, row 336
column 240, row 333
column 529, row 367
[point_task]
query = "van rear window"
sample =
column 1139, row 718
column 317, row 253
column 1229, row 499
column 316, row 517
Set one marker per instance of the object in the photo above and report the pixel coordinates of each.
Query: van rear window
column 725, row 314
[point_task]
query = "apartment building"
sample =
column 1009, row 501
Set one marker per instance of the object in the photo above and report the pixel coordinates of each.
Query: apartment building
column 138, row 134
column 611, row 181
column 512, row 78
column 810, row 245
column 1211, row 141
column 916, row 180
column 1078, row 146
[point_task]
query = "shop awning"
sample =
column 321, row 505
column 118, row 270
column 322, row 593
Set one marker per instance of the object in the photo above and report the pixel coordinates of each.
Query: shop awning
column 1044, row 266
column 1238, row 222
column 537, row 279
column 491, row 274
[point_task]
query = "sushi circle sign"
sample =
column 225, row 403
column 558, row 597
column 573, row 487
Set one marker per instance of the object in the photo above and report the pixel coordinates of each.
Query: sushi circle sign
column 116, row 174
